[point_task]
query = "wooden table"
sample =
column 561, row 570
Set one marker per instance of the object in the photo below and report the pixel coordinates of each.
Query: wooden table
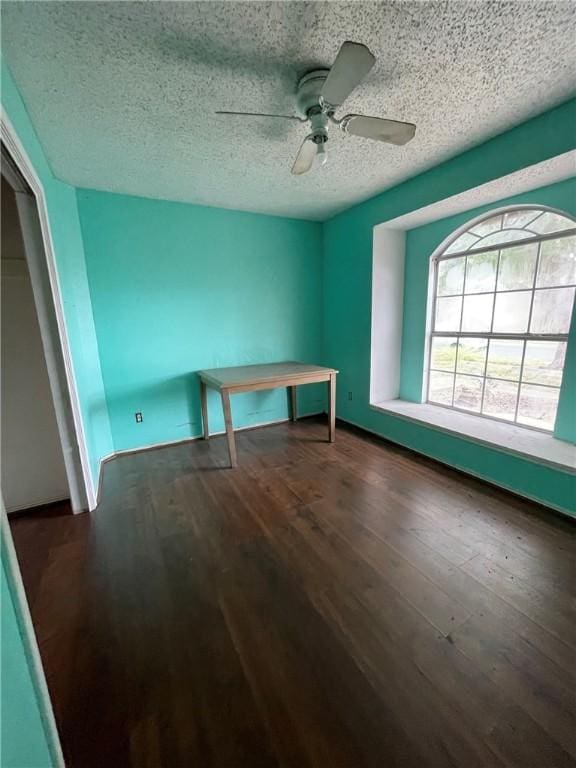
column 250, row 378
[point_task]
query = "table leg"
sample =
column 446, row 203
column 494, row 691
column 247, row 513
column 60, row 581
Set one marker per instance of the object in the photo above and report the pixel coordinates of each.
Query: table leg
column 293, row 405
column 229, row 428
column 332, row 408
column 204, row 404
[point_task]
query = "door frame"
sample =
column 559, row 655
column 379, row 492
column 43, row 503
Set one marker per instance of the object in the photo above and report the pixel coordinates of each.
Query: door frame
column 15, row 586
column 38, row 244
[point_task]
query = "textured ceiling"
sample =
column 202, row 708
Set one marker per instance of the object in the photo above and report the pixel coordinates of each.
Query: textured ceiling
column 550, row 171
column 123, row 94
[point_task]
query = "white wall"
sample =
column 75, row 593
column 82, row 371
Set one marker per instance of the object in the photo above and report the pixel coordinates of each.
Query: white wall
column 387, row 313
column 32, row 465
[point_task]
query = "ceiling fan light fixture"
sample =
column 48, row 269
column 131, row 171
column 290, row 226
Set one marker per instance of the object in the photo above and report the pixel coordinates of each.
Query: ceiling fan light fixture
column 321, row 155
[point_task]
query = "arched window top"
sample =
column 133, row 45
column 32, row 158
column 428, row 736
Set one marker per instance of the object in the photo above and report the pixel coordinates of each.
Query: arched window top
column 509, row 226
column 504, row 289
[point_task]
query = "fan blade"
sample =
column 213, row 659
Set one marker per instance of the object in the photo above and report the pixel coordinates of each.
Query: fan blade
column 351, row 66
column 379, row 129
column 260, row 114
column 305, row 157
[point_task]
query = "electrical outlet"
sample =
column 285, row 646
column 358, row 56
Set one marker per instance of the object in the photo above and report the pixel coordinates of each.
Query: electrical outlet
column 138, row 417
column 349, row 395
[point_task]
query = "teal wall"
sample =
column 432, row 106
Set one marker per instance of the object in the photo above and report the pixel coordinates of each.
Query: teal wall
column 565, row 428
column 69, row 255
column 347, row 300
column 177, row 288
column 420, row 245
column 24, row 738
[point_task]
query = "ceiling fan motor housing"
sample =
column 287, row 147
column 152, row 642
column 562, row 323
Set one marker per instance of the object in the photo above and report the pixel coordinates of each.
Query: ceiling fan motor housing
column 309, row 90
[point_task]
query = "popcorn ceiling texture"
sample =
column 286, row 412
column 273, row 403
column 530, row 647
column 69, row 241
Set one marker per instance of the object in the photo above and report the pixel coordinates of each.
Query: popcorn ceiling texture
column 122, row 94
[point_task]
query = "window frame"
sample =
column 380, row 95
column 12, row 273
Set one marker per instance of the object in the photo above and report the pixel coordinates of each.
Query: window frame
column 440, row 256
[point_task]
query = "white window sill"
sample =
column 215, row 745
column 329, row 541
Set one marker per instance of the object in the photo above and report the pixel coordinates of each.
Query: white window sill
column 527, row 443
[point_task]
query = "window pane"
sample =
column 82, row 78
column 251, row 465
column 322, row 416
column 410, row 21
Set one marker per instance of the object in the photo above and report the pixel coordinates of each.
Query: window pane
column 544, row 362
column 443, row 356
column 512, row 312
column 552, row 310
column 468, row 392
column 504, row 359
column 551, row 222
column 472, row 356
column 520, row 219
column 441, row 386
column 537, row 406
column 481, row 272
column 506, row 236
column 451, row 276
column 517, row 267
column 526, row 290
column 448, row 313
column 462, row 243
column 477, row 314
column 500, row 399
column 557, row 262
column 486, row 227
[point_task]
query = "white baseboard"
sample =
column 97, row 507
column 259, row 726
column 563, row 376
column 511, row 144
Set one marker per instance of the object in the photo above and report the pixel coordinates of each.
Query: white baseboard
column 153, row 446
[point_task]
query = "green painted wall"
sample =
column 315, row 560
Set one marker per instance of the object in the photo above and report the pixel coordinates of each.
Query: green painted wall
column 347, row 300
column 177, row 288
column 69, row 254
column 420, row 245
column 566, row 417
column 24, row 740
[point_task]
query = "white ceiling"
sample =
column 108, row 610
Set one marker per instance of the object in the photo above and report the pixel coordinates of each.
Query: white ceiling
column 122, row 95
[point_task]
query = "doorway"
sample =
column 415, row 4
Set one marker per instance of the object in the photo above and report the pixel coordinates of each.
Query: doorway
column 40, row 451
column 33, row 471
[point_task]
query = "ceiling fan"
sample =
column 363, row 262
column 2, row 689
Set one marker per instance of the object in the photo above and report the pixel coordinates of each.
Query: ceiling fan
column 320, row 93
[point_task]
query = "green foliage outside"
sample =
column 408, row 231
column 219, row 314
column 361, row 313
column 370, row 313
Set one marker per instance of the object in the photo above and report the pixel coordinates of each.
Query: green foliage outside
column 538, row 368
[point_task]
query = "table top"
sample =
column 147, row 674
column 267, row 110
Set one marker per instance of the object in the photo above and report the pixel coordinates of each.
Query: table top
column 243, row 375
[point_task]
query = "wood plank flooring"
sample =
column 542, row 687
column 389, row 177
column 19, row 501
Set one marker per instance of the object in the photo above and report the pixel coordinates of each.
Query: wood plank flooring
column 335, row 606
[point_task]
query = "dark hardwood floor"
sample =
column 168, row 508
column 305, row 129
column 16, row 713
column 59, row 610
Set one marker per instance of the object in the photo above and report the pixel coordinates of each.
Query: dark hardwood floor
column 323, row 605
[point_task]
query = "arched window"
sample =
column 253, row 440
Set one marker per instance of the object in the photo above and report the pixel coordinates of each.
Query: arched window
column 503, row 299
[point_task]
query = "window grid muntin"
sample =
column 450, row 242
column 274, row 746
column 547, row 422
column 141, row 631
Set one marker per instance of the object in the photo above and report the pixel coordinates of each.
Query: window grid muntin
column 487, row 353
column 527, row 226
column 512, row 244
column 495, row 378
column 486, row 375
column 528, row 326
column 518, row 383
column 509, row 290
column 489, row 335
